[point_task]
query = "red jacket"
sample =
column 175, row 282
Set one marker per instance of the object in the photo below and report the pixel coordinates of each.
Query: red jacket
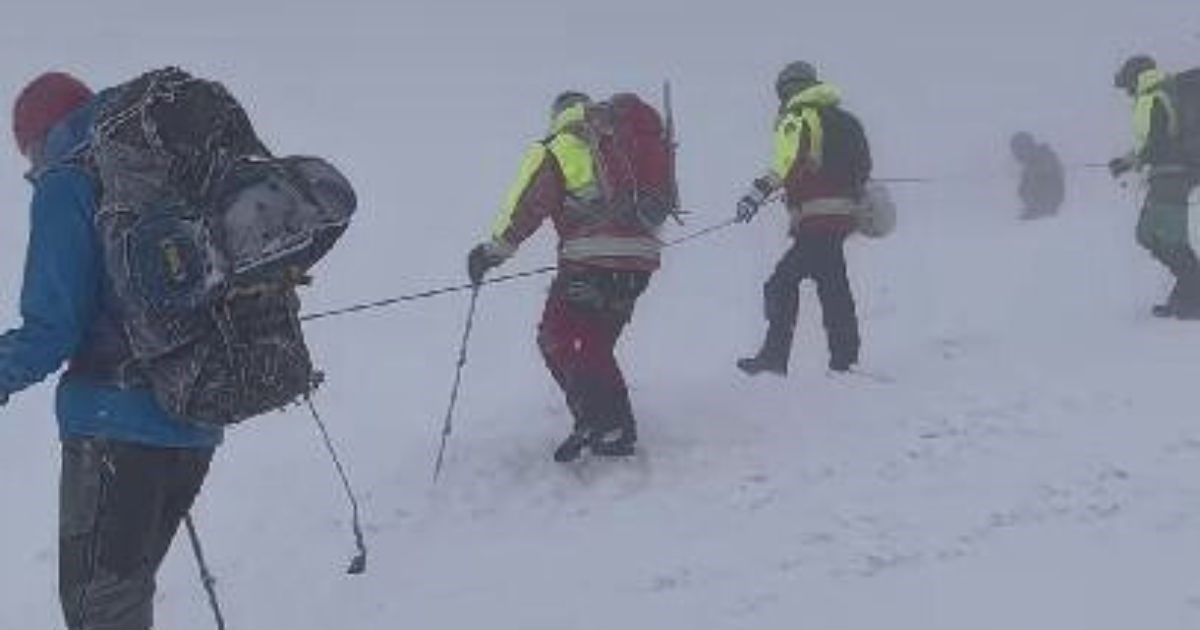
column 589, row 233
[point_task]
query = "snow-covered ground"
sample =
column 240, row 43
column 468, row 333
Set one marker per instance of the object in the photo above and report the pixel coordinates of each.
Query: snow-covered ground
column 1023, row 452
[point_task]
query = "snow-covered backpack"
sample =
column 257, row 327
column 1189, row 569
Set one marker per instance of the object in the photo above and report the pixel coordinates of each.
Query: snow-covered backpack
column 633, row 151
column 1184, row 91
column 205, row 238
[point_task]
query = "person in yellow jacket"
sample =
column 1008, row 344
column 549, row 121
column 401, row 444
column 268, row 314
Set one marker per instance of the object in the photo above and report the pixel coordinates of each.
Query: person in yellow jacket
column 1158, row 153
column 605, row 264
column 822, row 163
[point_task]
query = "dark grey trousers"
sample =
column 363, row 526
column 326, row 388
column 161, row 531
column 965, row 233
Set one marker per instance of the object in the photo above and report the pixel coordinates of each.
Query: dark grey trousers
column 1163, row 228
column 120, row 505
column 819, row 256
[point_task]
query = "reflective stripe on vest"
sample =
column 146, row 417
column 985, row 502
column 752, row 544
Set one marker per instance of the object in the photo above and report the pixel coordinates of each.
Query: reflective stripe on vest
column 593, row 247
column 831, row 207
column 834, row 206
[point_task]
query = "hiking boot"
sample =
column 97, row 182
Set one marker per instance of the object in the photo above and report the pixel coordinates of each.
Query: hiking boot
column 840, row 366
column 614, row 443
column 1163, row 310
column 843, row 346
column 1177, row 301
column 572, row 447
column 755, row 365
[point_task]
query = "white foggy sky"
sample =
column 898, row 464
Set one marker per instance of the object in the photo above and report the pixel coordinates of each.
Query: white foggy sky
column 448, row 93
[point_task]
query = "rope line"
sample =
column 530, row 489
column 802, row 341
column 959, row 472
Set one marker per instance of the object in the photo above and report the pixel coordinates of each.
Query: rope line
column 459, row 288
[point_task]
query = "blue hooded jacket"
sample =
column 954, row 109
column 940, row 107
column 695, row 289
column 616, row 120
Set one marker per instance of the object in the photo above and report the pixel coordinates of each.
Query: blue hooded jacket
column 62, row 298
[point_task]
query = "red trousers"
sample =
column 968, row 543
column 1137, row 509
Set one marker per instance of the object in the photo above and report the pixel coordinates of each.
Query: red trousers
column 585, row 313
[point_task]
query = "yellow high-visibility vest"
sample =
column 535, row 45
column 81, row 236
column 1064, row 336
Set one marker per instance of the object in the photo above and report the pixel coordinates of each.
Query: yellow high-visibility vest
column 574, row 157
column 1150, row 92
column 801, row 118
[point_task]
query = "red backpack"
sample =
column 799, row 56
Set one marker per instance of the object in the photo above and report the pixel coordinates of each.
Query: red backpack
column 635, row 162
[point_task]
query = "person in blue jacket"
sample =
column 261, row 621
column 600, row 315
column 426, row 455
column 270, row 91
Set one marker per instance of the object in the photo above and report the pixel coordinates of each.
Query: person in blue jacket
column 130, row 471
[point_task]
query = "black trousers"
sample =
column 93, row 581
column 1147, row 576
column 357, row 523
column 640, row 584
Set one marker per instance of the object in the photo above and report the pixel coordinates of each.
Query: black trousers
column 821, row 257
column 120, row 505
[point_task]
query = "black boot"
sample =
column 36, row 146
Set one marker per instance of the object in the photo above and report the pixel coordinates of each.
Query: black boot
column 572, row 447
column 1167, row 308
column 758, row 364
column 843, row 347
column 1184, row 300
column 1180, row 305
column 840, row 364
column 618, row 438
column 619, row 442
column 772, row 358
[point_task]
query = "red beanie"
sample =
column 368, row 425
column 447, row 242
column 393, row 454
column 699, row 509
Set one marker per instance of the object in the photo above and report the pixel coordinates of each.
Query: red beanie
column 43, row 103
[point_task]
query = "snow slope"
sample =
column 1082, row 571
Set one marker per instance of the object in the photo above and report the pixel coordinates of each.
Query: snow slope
column 1024, row 455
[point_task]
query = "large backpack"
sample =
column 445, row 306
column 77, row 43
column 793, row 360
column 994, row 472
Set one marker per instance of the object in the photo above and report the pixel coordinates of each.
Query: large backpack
column 206, row 237
column 634, row 156
column 1184, row 89
column 846, row 163
column 846, row 160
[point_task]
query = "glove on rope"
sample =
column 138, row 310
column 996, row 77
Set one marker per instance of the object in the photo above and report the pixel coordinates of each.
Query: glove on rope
column 1118, row 166
column 752, row 201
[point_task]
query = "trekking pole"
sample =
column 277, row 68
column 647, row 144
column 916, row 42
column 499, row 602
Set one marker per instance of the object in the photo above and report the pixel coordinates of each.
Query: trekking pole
column 412, row 297
column 422, row 295
column 448, row 424
column 358, row 564
column 206, row 576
